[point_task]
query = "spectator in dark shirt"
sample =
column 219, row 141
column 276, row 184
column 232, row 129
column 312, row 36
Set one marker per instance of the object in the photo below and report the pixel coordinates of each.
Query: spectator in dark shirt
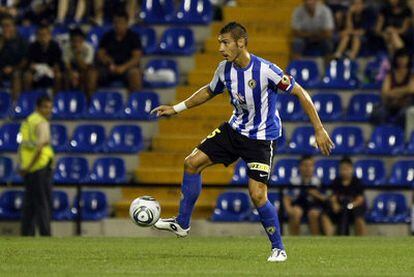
column 347, row 203
column 45, row 61
column 13, row 50
column 118, row 56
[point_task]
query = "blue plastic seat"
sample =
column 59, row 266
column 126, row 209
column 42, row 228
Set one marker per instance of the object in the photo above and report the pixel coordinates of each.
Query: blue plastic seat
column 60, row 206
column 232, row 207
column 370, row 74
column 371, row 172
column 27, row 32
column 305, row 72
column 59, row 137
column 124, row 139
column 289, row 108
column 240, row 174
column 9, row 137
column 157, row 11
column 274, row 198
column 303, row 141
column 389, row 208
column 328, row 105
column 95, row 206
column 6, row 169
column 140, row 105
column 386, row 140
column 402, row 173
column 281, row 146
column 26, row 103
column 283, row 170
column 108, row 171
column 347, row 140
column 11, row 204
column 105, row 105
column 177, row 41
column 194, row 12
column 69, row 105
column 340, row 74
column 327, row 170
column 87, row 139
column 361, row 106
column 148, row 39
column 410, row 146
column 71, row 170
column 161, row 64
column 95, row 35
column 5, row 104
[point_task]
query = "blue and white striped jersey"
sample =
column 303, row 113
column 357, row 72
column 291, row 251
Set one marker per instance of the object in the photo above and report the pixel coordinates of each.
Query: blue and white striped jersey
column 253, row 92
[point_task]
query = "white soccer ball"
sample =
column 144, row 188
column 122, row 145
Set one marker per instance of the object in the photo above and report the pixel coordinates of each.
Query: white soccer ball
column 145, row 211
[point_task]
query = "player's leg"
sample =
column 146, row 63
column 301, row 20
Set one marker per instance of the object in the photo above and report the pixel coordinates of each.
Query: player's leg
column 314, row 216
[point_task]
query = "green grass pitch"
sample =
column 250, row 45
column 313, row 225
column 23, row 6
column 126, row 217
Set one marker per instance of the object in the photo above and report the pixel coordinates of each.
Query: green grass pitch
column 193, row 256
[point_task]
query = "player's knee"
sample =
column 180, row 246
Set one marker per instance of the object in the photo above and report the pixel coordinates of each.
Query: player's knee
column 191, row 166
column 259, row 197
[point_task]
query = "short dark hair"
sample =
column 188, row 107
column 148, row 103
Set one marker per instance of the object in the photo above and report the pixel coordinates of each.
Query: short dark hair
column 76, row 32
column 43, row 26
column 42, row 99
column 401, row 53
column 305, row 158
column 236, row 30
column 346, row 160
column 122, row 14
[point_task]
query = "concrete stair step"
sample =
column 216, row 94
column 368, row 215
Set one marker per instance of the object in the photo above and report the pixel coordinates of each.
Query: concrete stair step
column 162, row 159
column 254, row 14
column 268, row 3
column 259, row 29
column 258, row 44
column 187, row 127
column 176, row 143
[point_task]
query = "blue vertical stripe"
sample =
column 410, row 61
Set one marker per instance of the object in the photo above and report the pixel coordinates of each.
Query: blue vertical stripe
column 257, row 96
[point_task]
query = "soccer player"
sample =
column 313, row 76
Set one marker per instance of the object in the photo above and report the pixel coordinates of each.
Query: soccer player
column 253, row 84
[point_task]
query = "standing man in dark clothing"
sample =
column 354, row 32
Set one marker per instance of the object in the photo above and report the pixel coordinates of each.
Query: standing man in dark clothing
column 347, row 203
column 118, row 56
column 36, row 158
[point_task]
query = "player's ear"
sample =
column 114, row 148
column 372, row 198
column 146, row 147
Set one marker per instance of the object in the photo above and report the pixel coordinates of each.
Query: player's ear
column 240, row 43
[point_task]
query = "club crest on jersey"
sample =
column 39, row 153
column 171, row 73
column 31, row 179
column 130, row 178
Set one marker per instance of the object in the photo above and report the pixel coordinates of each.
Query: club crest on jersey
column 285, row 80
column 270, row 230
column 252, row 84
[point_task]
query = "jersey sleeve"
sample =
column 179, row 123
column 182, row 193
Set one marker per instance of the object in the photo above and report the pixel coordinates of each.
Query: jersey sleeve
column 216, row 85
column 277, row 79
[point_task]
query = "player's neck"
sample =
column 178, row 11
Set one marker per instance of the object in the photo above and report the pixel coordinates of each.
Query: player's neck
column 243, row 60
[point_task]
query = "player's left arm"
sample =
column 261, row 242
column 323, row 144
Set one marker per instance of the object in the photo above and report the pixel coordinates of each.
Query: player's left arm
column 323, row 140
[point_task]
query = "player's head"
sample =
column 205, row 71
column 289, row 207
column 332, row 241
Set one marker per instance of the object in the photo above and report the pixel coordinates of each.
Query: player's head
column 121, row 22
column 346, row 168
column 44, row 36
column 233, row 40
column 44, row 106
column 306, row 166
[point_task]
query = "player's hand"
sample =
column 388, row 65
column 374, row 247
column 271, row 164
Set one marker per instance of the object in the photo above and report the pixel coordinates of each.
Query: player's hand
column 163, row 110
column 323, row 141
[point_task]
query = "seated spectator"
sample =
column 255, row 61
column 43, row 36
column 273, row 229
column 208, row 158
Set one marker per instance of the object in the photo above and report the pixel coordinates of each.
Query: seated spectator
column 304, row 201
column 339, row 10
column 9, row 8
column 347, row 204
column 13, row 50
column 118, row 57
column 397, row 91
column 313, row 26
column 357, row 22
column 393, row 25
column 78, row 57
column 37, row 12
column 44, row 61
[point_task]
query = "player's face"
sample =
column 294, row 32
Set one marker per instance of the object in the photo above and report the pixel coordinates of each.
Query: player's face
column 346, row 171
column 306, row 168
column 228, row 47
column 45, row 109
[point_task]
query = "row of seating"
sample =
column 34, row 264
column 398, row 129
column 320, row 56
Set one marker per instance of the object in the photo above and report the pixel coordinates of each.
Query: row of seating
column 86, row 138
column 70, row 170
column 73, row 105
column 371, row 172
column 94, row 205
column 236, row 207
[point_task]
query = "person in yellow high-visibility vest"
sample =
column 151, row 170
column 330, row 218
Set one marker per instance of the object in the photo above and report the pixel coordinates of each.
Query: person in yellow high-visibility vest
column 36, row 158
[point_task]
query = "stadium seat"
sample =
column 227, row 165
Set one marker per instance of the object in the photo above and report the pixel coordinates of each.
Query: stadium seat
column 108, row 171
column 60, row 34
column 5, row 104
column 303, row 141
column 71, row 170
column 283, row 170
column 371, row 71
column 148, row 39
column 305, row 72
column 327, row 170
column 95, row 206
column 386, row 140
column 389, row 208
column 161, row 73
column 69, row 105
column 140, row 105
column 6, row 169
column 371, row 172
column 402, row 173
column 9, row 137
column 328, row 105
column 105, row 105
column 87, row 139
column 27, row 32
column 289, row 107
column 348, row 140
column 232, row 207
column 95, row 34
column 124, row 139
column 281, row 144
column 410, row 145
column 240, row 174
column 361, row 106
column 26, row 103
column 340, row 74
column 193, row 12
column 59, row 137
column 156, row 11
column 274, row 198
column 11, row 204
column 177, row 41
column 60, row 206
